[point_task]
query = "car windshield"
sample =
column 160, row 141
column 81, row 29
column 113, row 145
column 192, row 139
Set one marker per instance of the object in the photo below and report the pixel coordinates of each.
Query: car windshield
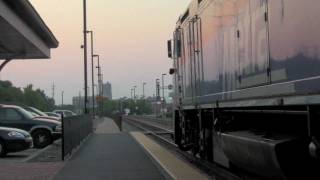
column 37, row 111
column 26, row 113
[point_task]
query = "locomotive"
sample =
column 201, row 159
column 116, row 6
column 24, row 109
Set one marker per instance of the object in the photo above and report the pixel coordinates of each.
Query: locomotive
column 247, row 85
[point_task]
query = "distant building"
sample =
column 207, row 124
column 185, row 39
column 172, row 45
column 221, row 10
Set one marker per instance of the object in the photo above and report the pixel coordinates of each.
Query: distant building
column 107, row 90
column 78, row 103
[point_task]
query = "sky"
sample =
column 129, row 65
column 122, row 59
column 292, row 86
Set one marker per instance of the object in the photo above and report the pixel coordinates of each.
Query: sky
column 129, row 35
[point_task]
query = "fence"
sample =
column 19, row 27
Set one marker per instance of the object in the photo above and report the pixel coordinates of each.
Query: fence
column 117, row 118
column 75, row 130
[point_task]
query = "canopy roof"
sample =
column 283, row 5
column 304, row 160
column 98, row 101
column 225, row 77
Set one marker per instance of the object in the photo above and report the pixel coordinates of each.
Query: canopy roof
column 23, row 34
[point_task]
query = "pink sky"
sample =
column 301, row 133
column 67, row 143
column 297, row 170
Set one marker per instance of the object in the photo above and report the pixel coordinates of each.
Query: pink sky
column 130, row 36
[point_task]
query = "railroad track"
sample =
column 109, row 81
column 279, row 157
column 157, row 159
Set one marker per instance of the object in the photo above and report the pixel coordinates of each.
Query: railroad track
column 161, row 135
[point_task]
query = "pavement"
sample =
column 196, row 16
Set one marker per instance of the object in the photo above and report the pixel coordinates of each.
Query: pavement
column 110, row 154
column 32, row 164
column 29, row 171
column 18, row 156
column 107, row 154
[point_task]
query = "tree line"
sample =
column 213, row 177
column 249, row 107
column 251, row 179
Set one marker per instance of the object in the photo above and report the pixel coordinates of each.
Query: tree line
column 27, row 96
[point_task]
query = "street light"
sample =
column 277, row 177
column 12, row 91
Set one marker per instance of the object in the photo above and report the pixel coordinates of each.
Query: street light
column 131, row 90
column 99, row 84
column 163, row 99
column 92, row 70
column 134, row 92
column 62, row 98
column 85, row 55
column 99, row 74
column 143, row 84
column 158, row 89
column 163, row 86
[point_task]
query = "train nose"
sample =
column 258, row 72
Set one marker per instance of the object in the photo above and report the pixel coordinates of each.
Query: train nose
column 314, row 149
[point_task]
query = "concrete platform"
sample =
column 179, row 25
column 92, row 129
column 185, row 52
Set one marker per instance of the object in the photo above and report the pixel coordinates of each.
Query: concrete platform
column 111, row 154
column 110, row 157
column 107, row 126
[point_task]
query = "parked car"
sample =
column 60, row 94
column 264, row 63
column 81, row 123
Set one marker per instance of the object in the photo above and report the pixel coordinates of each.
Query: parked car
column 65, row 113
column 52, row 114
column 39, row 114
column 43, row 131
column 14, row 140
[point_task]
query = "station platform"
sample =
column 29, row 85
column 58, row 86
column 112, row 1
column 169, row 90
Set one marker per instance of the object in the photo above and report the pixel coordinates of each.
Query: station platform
column 111, row 154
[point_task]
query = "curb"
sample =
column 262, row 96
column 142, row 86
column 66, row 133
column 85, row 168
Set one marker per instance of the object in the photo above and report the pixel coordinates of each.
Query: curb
column 163, row 170
column 39, row 152
column 75, row 150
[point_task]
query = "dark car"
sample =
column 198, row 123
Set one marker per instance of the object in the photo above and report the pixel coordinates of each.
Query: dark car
column 39, row 114
column 14, row 140
column 43, row 131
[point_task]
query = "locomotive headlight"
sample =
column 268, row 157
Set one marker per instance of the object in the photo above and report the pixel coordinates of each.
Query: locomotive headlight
column 314, row 149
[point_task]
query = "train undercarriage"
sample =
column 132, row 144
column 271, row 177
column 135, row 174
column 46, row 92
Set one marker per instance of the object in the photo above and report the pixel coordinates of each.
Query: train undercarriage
column 270, row 142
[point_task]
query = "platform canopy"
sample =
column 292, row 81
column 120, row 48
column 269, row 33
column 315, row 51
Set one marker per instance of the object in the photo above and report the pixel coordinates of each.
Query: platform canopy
column 23, row 34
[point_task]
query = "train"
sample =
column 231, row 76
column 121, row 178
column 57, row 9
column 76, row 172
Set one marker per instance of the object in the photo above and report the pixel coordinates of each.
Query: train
column 247, row 85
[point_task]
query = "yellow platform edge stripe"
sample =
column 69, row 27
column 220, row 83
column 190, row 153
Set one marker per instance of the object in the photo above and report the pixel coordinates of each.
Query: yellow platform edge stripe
column 174, row 167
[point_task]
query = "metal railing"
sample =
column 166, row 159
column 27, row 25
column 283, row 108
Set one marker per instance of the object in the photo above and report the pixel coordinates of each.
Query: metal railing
column 74, row 130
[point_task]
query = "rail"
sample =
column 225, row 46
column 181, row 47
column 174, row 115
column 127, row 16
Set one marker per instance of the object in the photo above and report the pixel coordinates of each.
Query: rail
column 157, row 133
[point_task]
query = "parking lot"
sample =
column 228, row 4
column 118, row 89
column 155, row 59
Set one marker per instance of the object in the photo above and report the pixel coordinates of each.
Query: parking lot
column 20, row 156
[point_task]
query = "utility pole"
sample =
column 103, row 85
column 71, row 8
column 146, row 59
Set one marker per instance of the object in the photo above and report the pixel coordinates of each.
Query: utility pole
column 163, row 99
column 143, row 94
column 85, row 55
column 99, row 84
column 131, row 93
column 92, row 70
column 99, row 74
column 134, row 92
column 163, row 87
column 53, row 89
column 158, row 98
column 62, row 99
column 79, row 103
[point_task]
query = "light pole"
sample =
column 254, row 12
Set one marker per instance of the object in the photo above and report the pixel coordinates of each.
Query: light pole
column 158, row 98
column 131, row 90
column 143, row 95
column 163, row 86
column 134, row 92
column 163, row 99
column 85, row 55
column 99, row 83
column 92, row 70
column 158, row 90
column 99, row 73
column 62, row 99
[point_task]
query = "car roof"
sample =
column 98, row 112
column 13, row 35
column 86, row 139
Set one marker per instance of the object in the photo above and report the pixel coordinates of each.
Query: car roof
column 8, row 106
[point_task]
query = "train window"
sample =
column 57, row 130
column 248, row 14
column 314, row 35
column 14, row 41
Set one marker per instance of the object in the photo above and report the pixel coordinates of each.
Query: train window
column 178, row 49
column 169, row 49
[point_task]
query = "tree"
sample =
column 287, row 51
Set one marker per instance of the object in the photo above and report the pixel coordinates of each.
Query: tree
column 29, row 97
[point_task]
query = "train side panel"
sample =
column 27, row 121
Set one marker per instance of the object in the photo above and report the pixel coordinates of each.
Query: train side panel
column 247, row 85
column 250, row 49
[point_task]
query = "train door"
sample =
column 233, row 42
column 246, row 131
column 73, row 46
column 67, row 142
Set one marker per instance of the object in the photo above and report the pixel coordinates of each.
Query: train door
column 179, row 64
column 253, row 49
column 196, row 57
